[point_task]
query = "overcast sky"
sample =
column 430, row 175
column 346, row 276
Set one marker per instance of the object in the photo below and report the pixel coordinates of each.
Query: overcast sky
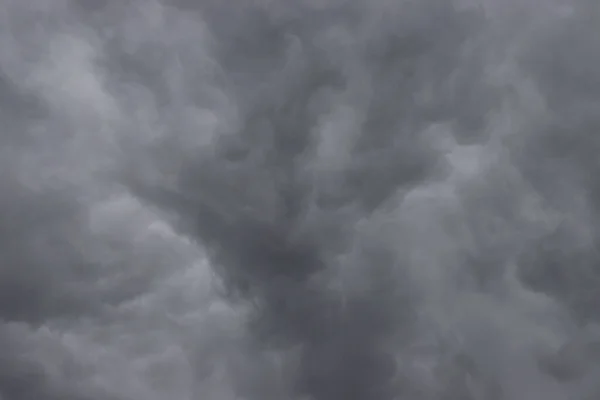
column 299, row 200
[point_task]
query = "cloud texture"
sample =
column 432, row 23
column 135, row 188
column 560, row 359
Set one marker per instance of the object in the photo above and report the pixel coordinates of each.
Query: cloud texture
column 299, row 200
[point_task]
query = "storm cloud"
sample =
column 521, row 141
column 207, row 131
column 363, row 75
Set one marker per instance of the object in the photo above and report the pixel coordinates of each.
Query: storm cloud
column 311, row 200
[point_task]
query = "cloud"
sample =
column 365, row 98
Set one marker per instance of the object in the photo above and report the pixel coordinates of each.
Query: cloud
column 298, row 200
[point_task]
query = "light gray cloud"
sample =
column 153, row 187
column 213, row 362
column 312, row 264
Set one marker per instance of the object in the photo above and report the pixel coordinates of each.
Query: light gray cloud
column 298, row 200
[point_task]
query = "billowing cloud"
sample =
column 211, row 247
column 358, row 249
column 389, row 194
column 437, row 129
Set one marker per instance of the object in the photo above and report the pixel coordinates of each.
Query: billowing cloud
column 312, row 200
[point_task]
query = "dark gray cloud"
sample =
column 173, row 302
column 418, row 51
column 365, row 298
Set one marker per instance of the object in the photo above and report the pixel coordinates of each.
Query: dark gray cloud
column 312, row 200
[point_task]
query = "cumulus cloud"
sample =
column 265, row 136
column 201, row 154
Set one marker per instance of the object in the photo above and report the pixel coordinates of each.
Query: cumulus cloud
column 312, row 200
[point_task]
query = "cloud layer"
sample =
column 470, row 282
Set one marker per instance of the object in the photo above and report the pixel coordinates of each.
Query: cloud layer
column 311, row 200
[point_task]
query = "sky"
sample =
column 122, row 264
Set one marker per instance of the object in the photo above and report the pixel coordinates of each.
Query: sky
column 299, row 200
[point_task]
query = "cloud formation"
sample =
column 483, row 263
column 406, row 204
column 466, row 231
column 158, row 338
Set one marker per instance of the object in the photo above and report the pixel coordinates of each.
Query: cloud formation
column 311, row 200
